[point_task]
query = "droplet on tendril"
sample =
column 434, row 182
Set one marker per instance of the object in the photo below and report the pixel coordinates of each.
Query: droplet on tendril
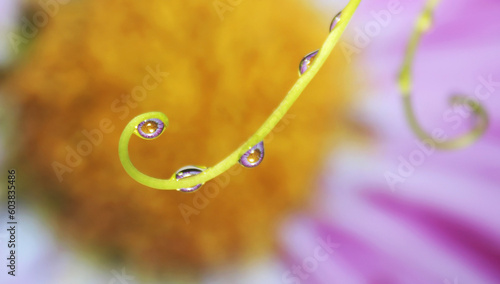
column 253, row 157
column 335, row 21
column 188, row 171
column 307, row 61
column 150, row 128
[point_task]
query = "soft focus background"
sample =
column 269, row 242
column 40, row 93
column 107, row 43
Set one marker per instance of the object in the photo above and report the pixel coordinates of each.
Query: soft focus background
column 319, row 209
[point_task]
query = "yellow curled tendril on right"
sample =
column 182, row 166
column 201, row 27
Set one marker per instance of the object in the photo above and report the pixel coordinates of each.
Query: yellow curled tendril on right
column 423, row 24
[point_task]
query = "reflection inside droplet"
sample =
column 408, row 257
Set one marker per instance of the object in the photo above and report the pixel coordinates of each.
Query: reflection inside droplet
column 335, row 21
column 307, row 61
column 150, row 128
column 187, row 172
column 253, row 157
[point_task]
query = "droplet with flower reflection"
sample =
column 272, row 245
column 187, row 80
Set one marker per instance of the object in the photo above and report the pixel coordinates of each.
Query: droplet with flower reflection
column 335, row 21
column 253, row 157
column 150, row 128
column 307, row 61
column 188, row 171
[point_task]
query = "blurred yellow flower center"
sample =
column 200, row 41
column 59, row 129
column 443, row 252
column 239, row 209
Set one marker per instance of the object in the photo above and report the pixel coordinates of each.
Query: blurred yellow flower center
column 254, row 156
column 149, row 127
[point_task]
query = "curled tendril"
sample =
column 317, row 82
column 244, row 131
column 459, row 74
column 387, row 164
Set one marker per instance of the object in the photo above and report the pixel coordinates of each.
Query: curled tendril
column 423, row 24
column 258, row 136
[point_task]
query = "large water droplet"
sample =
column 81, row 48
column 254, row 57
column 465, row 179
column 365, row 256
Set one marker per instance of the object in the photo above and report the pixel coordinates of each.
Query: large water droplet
column 307, row 61
column 335, row 21
column 150, row 128
column 253, row 157
column 188, row 171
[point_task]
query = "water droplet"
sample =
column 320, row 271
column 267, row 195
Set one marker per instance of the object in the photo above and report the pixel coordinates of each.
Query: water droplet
column 150, row 128
column 335, row 21
column 188, row 171
column 307, row 61
column 253, row 157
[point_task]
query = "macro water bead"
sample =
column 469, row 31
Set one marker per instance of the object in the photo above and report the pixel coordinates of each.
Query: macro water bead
column 253, row 157
column 307, row 61
column 187, row 172
column 150, row 128
column 335, row 21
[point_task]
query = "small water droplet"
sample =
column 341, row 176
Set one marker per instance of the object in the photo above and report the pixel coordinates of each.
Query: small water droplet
column 150, row 128
column 188, row 171
column 307, row 61
column 335, row 21
column 253, row 157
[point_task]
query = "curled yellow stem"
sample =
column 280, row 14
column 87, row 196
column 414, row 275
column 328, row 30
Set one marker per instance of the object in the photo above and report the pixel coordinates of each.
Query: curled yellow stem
column 424, row 22
column 258, row 136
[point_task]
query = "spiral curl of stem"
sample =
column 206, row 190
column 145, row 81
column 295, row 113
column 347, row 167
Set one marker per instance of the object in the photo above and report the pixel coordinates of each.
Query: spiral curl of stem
column 259, row 135
column 423, row 24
